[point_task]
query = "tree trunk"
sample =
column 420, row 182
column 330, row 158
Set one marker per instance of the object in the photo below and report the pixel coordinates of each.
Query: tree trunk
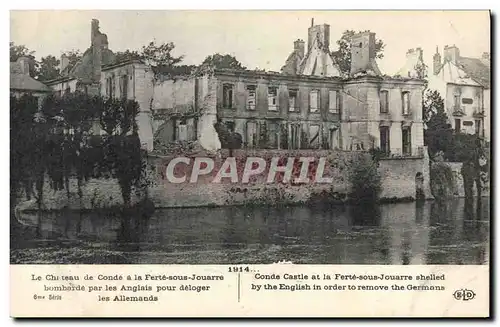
column 80, row 206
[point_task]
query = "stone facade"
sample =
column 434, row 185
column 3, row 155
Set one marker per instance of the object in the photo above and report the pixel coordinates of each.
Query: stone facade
column 272, row 110
column 464, row 84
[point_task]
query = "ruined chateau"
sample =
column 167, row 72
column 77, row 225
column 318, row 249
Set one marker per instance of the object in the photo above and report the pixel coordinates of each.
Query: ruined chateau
column 310, row 104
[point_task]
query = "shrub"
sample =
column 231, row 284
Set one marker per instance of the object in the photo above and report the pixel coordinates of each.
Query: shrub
column 441, row 181
column 365, row 180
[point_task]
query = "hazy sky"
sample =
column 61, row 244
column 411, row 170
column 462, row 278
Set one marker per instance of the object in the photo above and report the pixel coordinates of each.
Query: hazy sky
column 261, row 39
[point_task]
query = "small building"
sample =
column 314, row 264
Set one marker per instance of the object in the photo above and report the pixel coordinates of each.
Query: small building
column 22, row 83
column 464, row 84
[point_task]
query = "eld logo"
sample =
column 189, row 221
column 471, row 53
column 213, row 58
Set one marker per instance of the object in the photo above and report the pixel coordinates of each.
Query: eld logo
column 464, row 295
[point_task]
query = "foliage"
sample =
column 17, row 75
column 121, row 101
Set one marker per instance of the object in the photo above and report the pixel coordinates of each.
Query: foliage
column 60, row 141
column 342, row 57
column 219, row 61
column 439, row 135
column 48, row 68
column 463, row 148
column 22, row 144
column 228, row 139
column 365, row 180
column 127, row 55
column 441, row 181
column 377, row 154
column 73, row 57
column 17, row 51
column 159, row 55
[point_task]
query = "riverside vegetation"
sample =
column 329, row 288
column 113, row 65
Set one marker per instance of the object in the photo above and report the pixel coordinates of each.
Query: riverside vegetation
column 58, row 138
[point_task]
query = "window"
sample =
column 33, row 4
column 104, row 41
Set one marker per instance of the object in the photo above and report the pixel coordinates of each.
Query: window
column 384, row 101
column 314, row 101
column 273, row 132
column 384, row 139
column 406, row 103
column 406, row 141
column 124, row 86
column 251, row 98
column 295, row 132
column 181, row 130
column 314, row 137
column 251, row 134
column 333, row 101
column 334, row 139
column 292, row 100
column 458, row 125
column 478, row 127
column 272, row 98
column 456, row 101
column 110, row 87
column 227, row 96
column 467, row 101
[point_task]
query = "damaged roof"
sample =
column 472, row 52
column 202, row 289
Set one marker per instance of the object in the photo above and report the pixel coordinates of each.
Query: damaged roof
column 476, row 69
column 24, row 82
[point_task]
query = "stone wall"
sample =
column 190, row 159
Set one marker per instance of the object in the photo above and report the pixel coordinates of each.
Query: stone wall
column 398, row 182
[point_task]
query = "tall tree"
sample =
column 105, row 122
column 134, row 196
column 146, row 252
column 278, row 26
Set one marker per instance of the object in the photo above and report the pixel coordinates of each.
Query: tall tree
column 127, row 55
column 17, row 51
column 342, row 56
column 219, row 61
column 438, row 135
column 160, row 55
column 49, row 68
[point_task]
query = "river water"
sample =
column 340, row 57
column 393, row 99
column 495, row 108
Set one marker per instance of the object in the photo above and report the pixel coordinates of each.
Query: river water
column 403, row 233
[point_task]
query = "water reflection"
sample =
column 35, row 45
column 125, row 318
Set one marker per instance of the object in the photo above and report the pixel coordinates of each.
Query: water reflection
column 455, row 232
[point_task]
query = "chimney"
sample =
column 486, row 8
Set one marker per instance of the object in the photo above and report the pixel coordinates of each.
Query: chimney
column 363, row 53
column 94, row 30
column 451, row 53
column 415, row 63
column 24, row 63
column 485, row 58
column 436, row 62
column 96, row 40
column 322, row 32
column 64, row 62
column 299, row 47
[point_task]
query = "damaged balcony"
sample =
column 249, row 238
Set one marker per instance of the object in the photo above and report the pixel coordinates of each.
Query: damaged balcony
column 478, row 112
column 458, row 111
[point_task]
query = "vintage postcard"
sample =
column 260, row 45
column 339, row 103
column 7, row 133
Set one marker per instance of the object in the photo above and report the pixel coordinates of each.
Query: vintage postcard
column 250, row 163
